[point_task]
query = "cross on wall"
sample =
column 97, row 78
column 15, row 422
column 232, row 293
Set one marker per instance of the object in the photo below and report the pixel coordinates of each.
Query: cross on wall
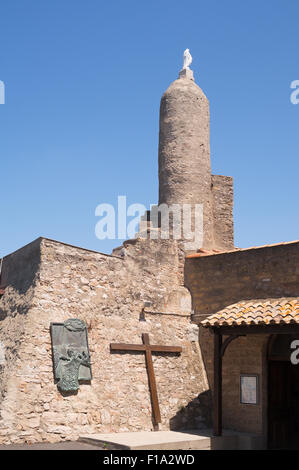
column 148, row 348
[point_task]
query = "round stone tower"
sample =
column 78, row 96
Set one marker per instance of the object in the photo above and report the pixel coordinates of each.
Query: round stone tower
column 184, row 149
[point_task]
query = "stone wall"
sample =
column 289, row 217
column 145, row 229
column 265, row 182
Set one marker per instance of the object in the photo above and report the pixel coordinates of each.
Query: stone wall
column 185, row 164
column 223, row 201
column 184, row 150
column 49, row 282
column 217, row 281
column 20, row 275
column 222, row 196
column 244, row 355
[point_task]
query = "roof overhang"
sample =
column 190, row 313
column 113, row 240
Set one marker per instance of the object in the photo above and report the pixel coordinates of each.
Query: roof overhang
column 262, row 316
column 245, row 330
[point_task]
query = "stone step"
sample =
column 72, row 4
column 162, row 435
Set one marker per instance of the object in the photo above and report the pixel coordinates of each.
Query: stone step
column 161, row 440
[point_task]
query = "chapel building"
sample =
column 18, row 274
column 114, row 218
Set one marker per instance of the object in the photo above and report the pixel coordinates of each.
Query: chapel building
column 226, row 318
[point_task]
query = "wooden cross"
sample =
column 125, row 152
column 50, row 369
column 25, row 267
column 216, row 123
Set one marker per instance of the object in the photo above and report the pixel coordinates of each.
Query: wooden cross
column 148, row 349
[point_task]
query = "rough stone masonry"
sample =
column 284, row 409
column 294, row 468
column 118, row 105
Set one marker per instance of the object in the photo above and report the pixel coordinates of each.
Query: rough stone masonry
column 48, row 281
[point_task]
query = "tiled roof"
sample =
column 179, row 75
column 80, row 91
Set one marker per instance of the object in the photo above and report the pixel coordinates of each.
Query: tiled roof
column 256, row 312
column 202, row 252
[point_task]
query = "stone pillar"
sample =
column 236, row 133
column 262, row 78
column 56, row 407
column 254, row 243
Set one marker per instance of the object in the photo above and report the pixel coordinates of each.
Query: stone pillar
column 184, row 149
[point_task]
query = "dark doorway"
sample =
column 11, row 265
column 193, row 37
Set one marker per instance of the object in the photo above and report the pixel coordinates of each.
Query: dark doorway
column 283, row 396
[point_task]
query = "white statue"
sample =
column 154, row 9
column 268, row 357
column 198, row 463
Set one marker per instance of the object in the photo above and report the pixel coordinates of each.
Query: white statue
column 187, row 59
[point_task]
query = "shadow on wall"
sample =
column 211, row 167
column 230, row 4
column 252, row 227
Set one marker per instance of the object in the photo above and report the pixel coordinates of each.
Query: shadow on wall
column 196, row 415
column 20, row 271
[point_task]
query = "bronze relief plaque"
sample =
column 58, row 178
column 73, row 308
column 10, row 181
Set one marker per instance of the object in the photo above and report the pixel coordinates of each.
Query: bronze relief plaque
column 70, row 353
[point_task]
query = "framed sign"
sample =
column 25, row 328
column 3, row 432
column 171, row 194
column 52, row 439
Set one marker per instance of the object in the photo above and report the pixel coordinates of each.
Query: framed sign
column 249, row 389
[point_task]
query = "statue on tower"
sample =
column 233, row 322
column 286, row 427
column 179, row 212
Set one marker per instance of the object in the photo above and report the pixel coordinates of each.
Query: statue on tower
column 187, row 59
column 186, row 72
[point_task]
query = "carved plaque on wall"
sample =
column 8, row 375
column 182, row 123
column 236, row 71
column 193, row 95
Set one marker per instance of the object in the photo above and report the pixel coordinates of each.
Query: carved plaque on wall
column 70, row 352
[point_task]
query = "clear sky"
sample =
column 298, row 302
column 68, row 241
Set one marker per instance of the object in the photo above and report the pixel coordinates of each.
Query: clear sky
column 80, row 123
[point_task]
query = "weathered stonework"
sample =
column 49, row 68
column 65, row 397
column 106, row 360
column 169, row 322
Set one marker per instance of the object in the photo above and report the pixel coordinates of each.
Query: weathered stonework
column 219, row 280
column 108, row 294
column 49, row 282
column 223, row 222
column 185, row 163
column 145, row 286
column 245, row 355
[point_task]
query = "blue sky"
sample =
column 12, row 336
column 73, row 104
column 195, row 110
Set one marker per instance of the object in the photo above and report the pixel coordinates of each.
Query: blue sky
column 80, row 123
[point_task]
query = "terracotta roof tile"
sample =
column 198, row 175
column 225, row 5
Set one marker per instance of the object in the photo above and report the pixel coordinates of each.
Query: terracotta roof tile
column 256, row 312
column 201, row 252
